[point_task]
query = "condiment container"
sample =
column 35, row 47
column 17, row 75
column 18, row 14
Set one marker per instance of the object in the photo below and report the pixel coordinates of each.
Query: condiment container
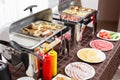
column 39, row 63
column 53, row 54
column 47, row 68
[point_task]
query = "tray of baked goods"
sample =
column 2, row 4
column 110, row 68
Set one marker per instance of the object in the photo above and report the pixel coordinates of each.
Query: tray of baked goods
column 40, row 30
column 35, row 29
column 75, row 13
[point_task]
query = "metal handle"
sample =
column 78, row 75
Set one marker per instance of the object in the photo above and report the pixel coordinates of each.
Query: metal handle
column 5, row 43
column 30, row 8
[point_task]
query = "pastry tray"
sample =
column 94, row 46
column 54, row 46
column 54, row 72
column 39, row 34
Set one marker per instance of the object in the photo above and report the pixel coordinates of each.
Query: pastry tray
column 75, row 13
column 37, row 40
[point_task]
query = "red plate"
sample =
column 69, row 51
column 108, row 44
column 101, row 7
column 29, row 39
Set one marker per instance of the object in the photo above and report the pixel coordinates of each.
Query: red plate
column 101, row 45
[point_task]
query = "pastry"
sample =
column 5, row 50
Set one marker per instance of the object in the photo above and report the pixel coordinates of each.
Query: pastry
column 61, row 78
column 47, row 33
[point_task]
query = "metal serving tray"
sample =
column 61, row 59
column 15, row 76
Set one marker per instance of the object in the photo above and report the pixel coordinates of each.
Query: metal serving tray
column 65, row 5
column 28, row 41
column 75, row 13
column 42, row 15
column 40, row 38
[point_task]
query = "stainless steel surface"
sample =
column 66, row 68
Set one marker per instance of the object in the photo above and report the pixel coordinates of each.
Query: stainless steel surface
column 77, row 33
column 61, row 44
column 30, row 71
column 40, row 38
column 42, row 15
column 18, row 47
column 64, row 4
column 32, row 43
column 65, row 47
column 25, row 40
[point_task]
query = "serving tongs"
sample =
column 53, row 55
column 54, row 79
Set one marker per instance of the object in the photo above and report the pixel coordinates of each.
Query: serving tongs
column 61, row 44
column 18, row 47
column 65, row 45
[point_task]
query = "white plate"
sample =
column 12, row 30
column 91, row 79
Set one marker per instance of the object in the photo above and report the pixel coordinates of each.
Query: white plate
column 25, row 78
column 80, row 70
column 61, row 75
column 108, row 32
column 91, row 55
column 101, row 45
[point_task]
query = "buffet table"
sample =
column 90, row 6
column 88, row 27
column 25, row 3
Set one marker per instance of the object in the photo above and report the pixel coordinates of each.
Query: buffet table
column 104, row 70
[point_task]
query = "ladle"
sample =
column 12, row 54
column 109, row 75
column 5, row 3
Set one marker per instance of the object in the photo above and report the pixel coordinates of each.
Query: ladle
column 30, row 71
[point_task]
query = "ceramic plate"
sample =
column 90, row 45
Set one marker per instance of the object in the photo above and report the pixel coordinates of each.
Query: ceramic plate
column 61, row 77
column 25, row 78
column 101, row 45
column 80, row 70
column 91, row 55
column 112, row 39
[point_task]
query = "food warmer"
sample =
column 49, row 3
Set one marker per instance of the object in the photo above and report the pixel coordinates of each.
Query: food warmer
column 75, row 16
column 23, row 41
column 35, row 29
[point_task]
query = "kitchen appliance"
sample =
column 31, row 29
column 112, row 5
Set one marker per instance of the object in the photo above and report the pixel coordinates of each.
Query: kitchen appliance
column 72, row 20
column 31, row 42
column 4, row 71
column 25, row 40
column 23, row 53
column 26, row 43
